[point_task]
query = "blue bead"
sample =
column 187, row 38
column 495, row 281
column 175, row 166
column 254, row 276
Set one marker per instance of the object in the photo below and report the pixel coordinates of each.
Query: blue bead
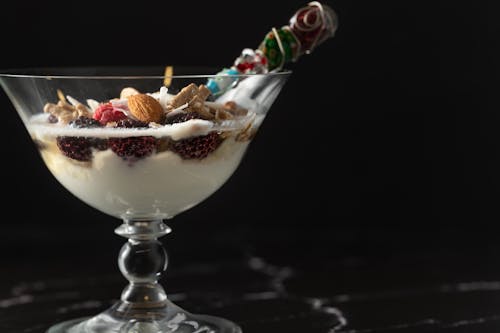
column 213, row 86
column 232, row 71
column 222, row 81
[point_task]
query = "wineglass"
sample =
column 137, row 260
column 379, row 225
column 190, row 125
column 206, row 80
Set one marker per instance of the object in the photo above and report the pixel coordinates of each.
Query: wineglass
column 142, row 144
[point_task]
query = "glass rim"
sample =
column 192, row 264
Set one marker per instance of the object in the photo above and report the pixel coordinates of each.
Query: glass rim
column 30, row 72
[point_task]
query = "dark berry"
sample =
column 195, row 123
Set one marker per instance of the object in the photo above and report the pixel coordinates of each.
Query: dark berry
column 99, row 144
column 133, row 148
column 75, row 147
column 198, row 147
column 85, row 122
column 180, row 117
column 131, row 123
column 53, row 119
column 79, row 148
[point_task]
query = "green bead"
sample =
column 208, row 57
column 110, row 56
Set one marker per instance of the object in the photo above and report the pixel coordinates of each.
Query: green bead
column 289, row 42
column 271, row 48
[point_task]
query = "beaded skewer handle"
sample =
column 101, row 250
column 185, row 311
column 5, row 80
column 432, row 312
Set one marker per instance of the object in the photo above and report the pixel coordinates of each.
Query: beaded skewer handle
column 309, row 27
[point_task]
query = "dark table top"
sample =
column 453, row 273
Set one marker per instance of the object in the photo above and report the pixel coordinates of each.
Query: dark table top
column 269, row 280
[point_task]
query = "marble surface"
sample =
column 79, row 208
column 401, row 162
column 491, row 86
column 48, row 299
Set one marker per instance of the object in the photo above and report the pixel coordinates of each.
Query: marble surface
column 352, row 284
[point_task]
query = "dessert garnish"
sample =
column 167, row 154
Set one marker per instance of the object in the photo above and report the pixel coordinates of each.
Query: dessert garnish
column 138, row 111
column 309, row 27
column 208, row 120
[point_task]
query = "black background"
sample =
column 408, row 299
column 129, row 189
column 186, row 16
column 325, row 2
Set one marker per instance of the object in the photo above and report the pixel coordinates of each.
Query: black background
column 377, row 168
column 385, row 138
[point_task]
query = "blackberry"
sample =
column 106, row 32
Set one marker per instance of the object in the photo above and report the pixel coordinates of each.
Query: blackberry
column 80, row 148
column 85, row 122
column 180, row 117
column 75, row 147
column 99, row 144
column 133, row 148
column 131, row 123
column 198, row 147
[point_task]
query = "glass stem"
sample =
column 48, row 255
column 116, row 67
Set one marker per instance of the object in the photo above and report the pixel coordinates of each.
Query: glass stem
column 142, row 260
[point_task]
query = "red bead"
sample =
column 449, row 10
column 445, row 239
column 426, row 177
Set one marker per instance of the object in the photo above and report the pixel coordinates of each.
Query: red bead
column 312, row 25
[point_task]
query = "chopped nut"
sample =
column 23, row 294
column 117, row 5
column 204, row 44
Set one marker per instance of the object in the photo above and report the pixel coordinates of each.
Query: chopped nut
column 221, row 114
column 66, row 117
column 169, row 71
column 65, row 112
column 230, row 105
column 203, row 92
column 82, row 110
column 185, row 95
column 64, row 105
column 60, row 95
column 225, row 134
column 235, row 109
column 198, row 105
column 194, row 96
column 48, row 108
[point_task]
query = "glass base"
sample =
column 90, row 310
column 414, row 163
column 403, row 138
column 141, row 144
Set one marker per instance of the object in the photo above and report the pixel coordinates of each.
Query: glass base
column 169, row 318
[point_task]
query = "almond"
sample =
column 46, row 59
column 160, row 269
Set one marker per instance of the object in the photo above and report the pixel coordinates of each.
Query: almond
column 145, row 108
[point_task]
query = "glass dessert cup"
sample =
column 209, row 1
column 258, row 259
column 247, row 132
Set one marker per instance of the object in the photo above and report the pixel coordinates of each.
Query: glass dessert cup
column 142, row 147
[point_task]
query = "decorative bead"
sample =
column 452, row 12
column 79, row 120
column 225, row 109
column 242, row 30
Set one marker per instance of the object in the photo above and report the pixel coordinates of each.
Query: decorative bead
column 279, row 46
column 313, row 24
column 291, row 44
column 251, row 62
column 309, row 27
column 222, row 81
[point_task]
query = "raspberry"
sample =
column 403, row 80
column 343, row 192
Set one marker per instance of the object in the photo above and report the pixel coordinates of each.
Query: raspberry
column 106, row 113
column 198, row 147
column 133, row 148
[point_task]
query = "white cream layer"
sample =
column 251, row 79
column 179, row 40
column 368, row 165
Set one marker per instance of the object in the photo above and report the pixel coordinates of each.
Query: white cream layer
column 159, row 186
